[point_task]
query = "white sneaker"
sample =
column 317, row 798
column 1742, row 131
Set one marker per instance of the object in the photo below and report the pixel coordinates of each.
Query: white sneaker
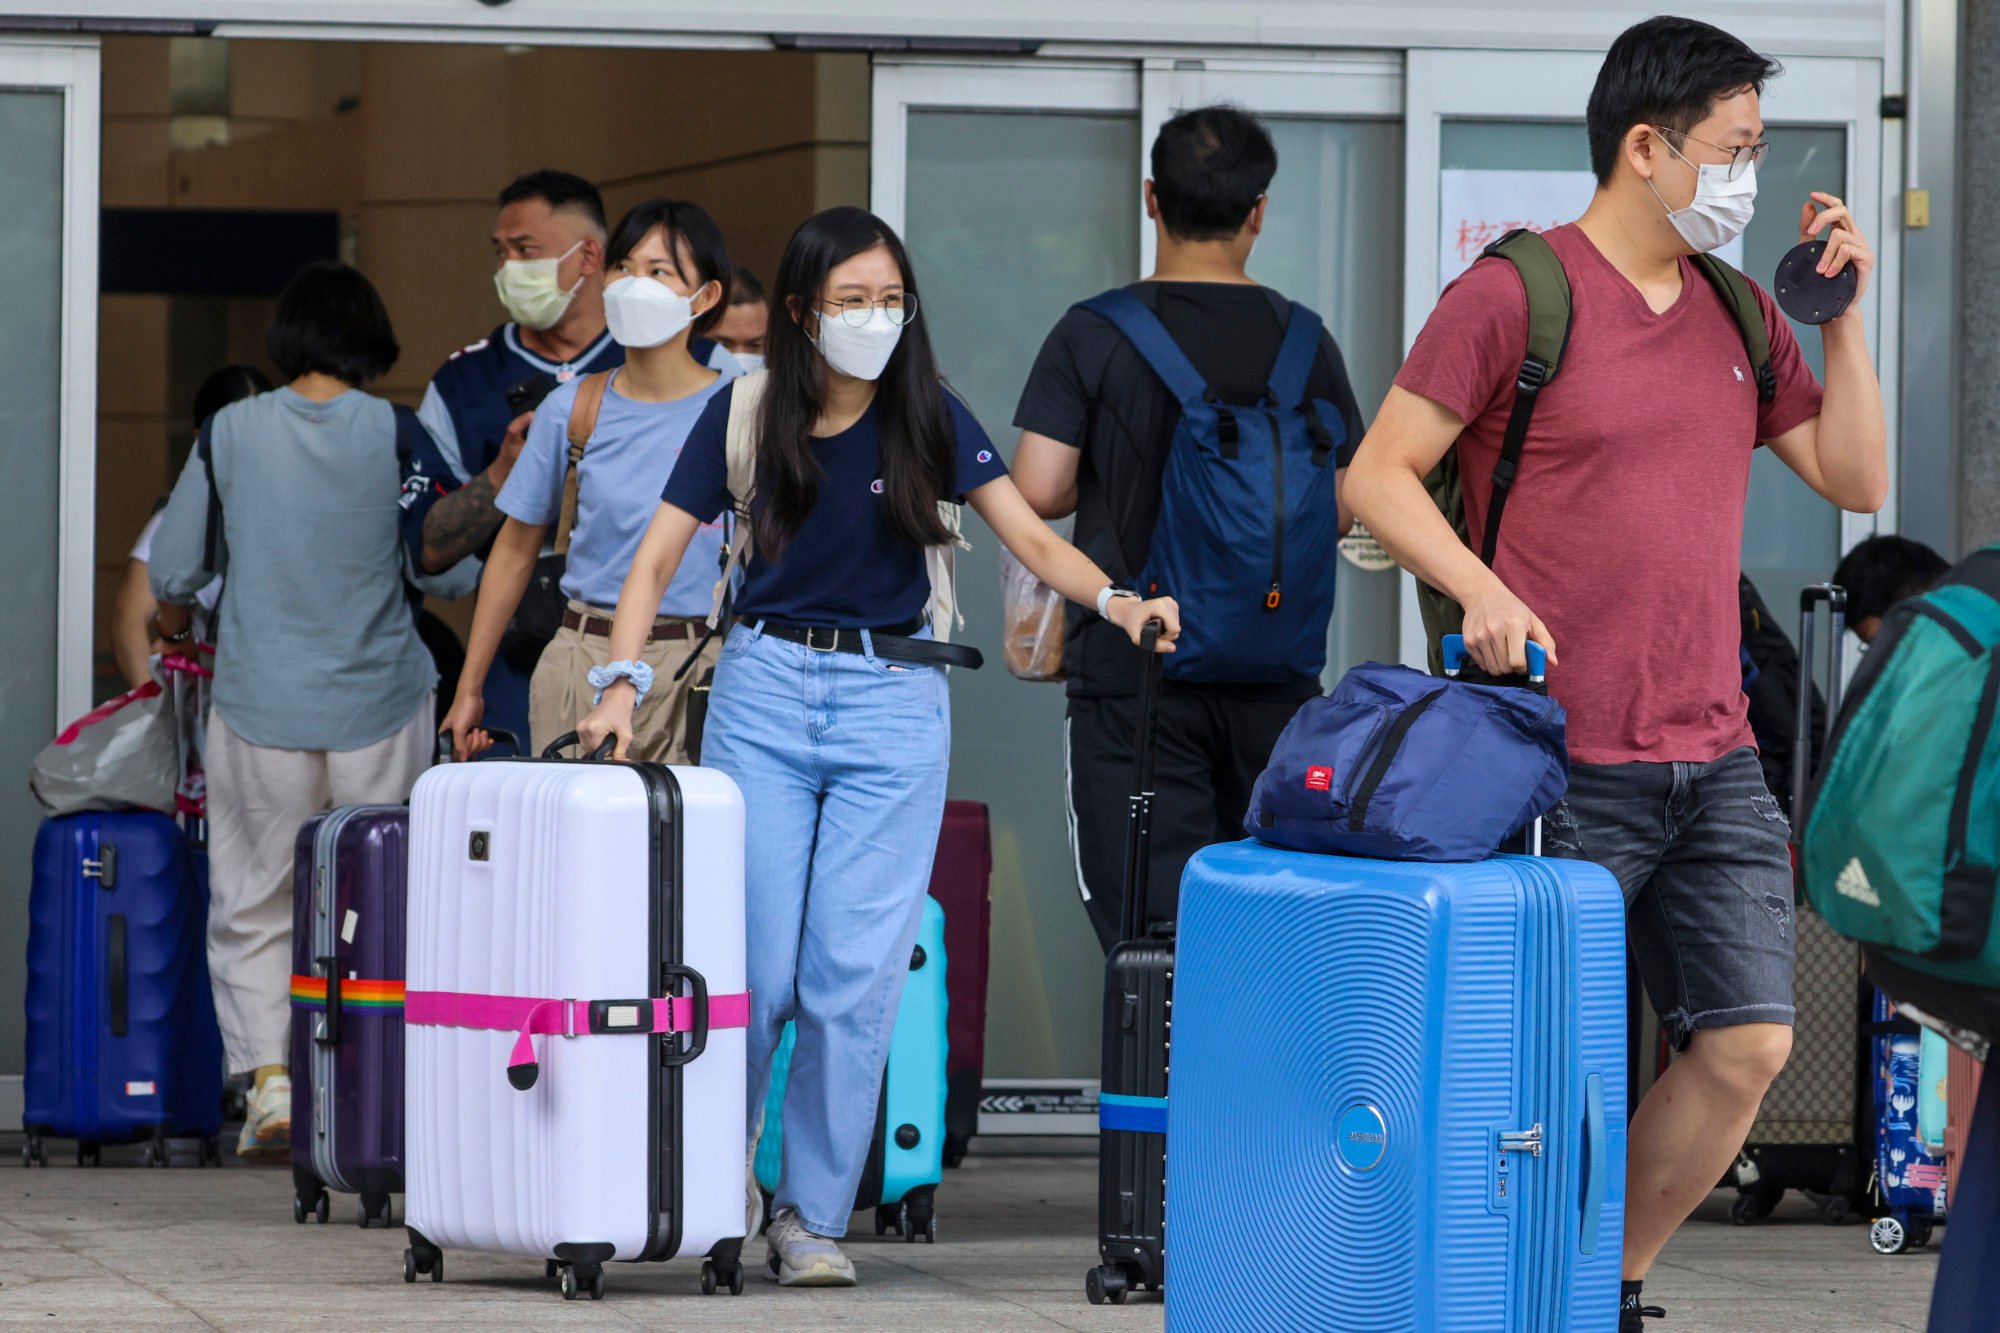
column 267, row 1125
column 801, row 1259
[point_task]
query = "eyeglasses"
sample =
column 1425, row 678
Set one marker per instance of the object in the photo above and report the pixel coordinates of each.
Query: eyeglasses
column 1740, row 157
column 856, row 310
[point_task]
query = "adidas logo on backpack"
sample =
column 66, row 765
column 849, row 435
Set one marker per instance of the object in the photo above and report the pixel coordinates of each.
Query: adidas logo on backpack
column 1853, row 883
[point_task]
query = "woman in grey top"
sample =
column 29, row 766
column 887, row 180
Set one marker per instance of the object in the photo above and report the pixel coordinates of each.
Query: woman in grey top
column 323, row 691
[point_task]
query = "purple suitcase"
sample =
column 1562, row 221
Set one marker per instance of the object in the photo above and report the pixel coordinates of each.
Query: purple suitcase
column 348, row 920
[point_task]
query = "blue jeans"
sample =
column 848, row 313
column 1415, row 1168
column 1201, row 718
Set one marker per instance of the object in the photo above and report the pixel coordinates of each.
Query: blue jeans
column 842, row 758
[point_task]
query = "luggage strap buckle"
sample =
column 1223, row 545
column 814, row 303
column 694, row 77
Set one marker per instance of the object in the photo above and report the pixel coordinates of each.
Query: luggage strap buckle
column 528, row 1018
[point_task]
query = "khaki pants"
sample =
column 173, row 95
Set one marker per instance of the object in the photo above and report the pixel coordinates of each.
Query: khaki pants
column 257, row 799
column 560, row 694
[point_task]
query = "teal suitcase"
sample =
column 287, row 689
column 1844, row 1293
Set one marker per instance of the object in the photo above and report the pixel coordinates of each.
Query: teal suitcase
column 906, row 1158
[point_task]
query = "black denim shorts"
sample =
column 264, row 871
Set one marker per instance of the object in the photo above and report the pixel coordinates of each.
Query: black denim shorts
column 1700, row 850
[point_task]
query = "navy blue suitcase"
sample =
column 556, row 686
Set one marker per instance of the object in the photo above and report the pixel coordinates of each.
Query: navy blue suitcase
column 122, row 1044
column 1423, row 1063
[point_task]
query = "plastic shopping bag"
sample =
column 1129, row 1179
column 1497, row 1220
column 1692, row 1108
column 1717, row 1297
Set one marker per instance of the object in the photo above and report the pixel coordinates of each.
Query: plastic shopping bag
column 1032, row 616
column 121, row 755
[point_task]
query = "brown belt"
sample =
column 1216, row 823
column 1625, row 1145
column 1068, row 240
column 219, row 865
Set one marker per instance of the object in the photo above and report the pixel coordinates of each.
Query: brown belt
column 663, row 628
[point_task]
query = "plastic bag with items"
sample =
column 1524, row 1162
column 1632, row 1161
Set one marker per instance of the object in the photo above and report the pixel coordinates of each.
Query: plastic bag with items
column 1032, row 616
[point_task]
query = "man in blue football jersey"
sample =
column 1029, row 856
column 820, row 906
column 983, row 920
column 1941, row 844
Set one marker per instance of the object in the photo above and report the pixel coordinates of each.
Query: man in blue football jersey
column 550, row 244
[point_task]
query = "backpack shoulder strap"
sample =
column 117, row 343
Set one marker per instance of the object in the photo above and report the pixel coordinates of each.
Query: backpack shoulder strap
column 1293, row 366
column 583, row 412
column 1142, row 328
column 739, row 443
column 1547, row 286
column 1740, row 300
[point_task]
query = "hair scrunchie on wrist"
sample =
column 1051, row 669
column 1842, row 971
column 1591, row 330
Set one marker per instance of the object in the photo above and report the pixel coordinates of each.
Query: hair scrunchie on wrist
column 602, row 678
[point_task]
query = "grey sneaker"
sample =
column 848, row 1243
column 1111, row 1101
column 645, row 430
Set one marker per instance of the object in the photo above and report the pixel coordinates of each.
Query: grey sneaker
column 801, row 1259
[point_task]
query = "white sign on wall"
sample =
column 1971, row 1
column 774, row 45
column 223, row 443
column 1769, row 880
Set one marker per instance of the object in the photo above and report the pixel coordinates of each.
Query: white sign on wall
column 1477, row 207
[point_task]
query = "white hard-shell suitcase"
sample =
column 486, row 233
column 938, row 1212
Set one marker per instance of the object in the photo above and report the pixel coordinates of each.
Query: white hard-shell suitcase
column 575, row 1006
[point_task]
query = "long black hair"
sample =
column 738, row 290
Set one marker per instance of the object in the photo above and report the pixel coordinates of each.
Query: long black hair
column 916, row 432
column 682, row 224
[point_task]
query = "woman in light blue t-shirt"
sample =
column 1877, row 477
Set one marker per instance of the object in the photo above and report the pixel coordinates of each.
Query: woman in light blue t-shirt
column 668, row 274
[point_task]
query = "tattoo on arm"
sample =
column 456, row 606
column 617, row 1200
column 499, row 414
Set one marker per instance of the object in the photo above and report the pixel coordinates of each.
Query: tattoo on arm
column 461, row 523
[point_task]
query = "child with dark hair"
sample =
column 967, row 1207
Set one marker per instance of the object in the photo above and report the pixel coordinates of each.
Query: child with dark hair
column 1882, row 571
column 1622, row 543
column 322, row 691
column 667, row 279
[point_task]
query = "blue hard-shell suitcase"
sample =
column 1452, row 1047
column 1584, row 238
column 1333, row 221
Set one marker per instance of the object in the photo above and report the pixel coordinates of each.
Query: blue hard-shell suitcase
column 906, row 1156
column 1422, row 1063
column 122, row 1044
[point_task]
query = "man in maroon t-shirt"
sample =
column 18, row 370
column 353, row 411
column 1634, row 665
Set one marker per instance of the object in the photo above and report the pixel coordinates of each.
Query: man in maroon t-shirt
column 1621, row 547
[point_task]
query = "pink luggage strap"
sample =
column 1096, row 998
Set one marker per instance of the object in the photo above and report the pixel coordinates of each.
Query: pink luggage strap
column 694, row 1014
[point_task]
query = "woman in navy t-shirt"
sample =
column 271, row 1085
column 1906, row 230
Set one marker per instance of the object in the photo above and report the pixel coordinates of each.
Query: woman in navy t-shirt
column 829, row 707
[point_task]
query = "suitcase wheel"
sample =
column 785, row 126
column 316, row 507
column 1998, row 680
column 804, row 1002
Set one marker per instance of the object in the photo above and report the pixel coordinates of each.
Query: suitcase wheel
column 34, row 1152
column 211, row 1152
column 374, row 1208
column 156, row 1150
column 715, row 1276
column 918, row 1218
column 888, row 1217
column 1835, row 1211
column 1889, row 1235
column 1105, row 1283
column 580, row 1280
column 1920, row 1232
column 1753, row 1205
column 430, row 1260
column 318, row 1207
column 89, row 1154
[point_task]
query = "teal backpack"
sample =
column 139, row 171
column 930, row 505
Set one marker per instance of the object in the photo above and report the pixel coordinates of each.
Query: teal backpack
column 1902, row 849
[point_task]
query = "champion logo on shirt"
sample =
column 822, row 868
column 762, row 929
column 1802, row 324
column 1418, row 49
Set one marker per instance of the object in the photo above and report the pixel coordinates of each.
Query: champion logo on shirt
column 985, row 455
column 876, row 485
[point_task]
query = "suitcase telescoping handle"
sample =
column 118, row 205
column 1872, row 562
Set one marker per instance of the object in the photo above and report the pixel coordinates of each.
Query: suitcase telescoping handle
column 500, row 735
column 1454, row 659
column 1139, row 811
column 1804, row 741
column 569, row 738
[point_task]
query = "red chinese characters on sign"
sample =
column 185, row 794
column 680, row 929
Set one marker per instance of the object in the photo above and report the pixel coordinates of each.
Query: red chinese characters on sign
column 1475, row 234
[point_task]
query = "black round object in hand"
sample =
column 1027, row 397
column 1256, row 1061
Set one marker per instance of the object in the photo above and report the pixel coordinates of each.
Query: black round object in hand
column 1807, row 296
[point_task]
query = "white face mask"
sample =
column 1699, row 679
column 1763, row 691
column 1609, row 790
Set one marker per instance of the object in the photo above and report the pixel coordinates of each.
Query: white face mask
column 861, row 352
column 752, row 362
column 532, row 292
column 1721, row 207
column 645, row 313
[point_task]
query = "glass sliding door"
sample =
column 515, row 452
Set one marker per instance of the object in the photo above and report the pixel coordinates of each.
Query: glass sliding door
column 48, row 330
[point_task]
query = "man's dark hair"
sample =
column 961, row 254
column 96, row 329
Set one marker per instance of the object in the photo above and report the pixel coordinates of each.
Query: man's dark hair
column 1882, row 571
column 688, row 228
column 558, row 189
column 1210, row 167
column 331, row 320
column 1669, row 72
column 744, row 288
column 225, row 386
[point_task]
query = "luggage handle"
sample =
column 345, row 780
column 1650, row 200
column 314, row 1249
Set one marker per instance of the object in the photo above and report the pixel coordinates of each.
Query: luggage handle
column 500, row 735
column 329, row 1034
column 569, row 738
column 1139, row 810
column 1595, row 1167
column 670, row 973
column 114, row 969
column 1804, row 741
column 1454, row 654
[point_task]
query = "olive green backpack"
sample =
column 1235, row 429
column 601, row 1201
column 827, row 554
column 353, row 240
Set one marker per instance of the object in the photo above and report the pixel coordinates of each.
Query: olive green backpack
column 1548, row 337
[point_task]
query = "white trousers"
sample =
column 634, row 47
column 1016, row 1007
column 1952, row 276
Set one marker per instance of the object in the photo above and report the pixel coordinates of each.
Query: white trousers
column 257, row 799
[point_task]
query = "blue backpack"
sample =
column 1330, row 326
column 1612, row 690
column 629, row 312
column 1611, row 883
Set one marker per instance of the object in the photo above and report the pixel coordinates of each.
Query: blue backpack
column 1246, row 535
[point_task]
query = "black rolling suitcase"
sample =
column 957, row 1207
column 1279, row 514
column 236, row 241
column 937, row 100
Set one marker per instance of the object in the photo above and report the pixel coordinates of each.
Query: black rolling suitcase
column 1138, row 1023
column 1815, row 1132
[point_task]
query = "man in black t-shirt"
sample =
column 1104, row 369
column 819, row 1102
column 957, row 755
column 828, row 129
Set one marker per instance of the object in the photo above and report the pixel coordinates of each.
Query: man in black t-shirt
column 1096, row 425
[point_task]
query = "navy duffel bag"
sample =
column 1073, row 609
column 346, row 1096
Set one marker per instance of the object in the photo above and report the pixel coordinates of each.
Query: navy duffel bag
column 1402, row 766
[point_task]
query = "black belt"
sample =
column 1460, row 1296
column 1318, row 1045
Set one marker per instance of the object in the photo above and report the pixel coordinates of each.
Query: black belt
column 891, row 641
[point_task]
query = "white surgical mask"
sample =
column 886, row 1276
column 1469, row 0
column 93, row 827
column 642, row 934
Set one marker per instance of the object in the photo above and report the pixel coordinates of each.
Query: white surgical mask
column 1721, row 207
column 862, row 352
column 743, row 363
column 752, row 362
column 645, row 313
column 532, row 292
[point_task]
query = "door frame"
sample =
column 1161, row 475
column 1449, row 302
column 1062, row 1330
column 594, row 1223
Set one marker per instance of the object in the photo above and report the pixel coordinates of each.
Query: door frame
column 1554, row 86
column 71, row 68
